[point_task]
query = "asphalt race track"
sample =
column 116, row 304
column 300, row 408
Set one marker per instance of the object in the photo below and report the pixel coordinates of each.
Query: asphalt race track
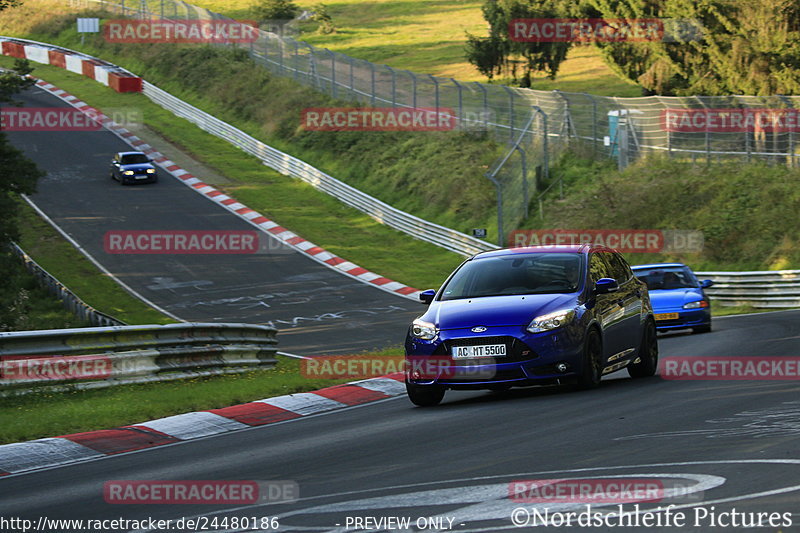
column 734, row 444
column 317, row 310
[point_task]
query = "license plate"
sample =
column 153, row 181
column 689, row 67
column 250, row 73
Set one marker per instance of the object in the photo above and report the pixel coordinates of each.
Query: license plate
column 667, row 316
column 484, row 350
column 144, row 177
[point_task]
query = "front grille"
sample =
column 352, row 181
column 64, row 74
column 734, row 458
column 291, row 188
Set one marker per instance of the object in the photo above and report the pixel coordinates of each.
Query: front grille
column 516, row 350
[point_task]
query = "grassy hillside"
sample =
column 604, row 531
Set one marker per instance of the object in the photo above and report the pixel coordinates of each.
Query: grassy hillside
column 428, row 37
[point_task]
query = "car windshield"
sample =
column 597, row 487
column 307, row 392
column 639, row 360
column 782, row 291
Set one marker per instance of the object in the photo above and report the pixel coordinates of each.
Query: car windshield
column 534, row 273
column 133, row 159
column 667, row 278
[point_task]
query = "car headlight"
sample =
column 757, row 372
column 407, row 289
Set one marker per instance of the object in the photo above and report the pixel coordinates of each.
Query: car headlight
column 423, row 330
column 128, row 172
column 151, row 171
column 552, row 320
column 696, row 305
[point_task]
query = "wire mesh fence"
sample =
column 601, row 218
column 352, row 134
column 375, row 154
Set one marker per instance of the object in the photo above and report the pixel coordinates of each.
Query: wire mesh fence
column 698, row 129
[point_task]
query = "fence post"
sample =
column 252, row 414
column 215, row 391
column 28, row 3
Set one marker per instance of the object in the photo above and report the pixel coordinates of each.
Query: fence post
column 485, row 104
column 312, row 65
column 524, row 178
column 708, row 133
column 499, row 188
column 413, row 88
column 545, row 153
column 352, row 61
column 394, row 85
column 436, row 91
column 281, row 47
column 372, row 75
column 296, row 60
column 333, row 73
column 594, row 123
column 460, row 101
column 510, row 110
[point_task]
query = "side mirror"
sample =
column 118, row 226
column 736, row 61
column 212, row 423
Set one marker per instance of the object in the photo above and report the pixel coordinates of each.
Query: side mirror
column 706, row 283
column 606, row 285
column 426, row 297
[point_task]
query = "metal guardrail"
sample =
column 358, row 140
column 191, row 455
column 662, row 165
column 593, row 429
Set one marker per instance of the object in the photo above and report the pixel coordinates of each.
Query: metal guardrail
column 286, row 164
column 79, row 358
column 71, row 301
column 761, row 288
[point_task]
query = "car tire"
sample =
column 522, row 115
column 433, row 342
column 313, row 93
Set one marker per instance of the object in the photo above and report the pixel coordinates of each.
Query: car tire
column 424, row 395
column 591, row 362
column 648, row 354
column 702, row 329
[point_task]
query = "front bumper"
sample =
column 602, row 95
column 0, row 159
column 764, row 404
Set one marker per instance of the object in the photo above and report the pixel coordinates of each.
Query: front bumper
column 687, row 318
column 531, row 358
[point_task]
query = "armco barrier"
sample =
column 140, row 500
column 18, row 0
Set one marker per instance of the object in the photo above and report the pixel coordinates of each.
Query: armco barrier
column 71, row 301
column 132, row 354
column 764, row 288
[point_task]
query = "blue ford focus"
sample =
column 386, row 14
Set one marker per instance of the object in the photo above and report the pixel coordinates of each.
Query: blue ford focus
column 531, row 316
column 679, row 300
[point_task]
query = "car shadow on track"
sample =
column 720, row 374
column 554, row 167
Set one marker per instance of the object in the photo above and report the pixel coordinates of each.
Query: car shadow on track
column 612, row 382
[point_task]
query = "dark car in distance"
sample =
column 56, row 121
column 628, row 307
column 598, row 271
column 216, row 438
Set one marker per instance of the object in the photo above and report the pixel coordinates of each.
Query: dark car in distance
column 133, row 167
column 530, row 316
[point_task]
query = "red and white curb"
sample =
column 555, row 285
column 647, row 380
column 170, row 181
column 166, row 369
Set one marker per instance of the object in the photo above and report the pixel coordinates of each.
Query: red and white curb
column 270, row 227
column 55, row 451
column 101, row 71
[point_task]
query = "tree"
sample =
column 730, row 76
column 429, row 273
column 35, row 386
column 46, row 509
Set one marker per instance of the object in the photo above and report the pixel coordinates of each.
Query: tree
column 740, row 48
column 275, row 12
column 19, row 174
column 496, row 53
column 322, row 16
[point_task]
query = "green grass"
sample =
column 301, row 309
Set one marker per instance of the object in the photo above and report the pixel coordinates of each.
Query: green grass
column 57, row 413
column 428, row 37
column 56, row 255
column 26, row 304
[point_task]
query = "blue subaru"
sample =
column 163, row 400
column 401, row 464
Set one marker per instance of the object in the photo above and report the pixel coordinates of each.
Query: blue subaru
column 531, row 316
column 679, row 299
